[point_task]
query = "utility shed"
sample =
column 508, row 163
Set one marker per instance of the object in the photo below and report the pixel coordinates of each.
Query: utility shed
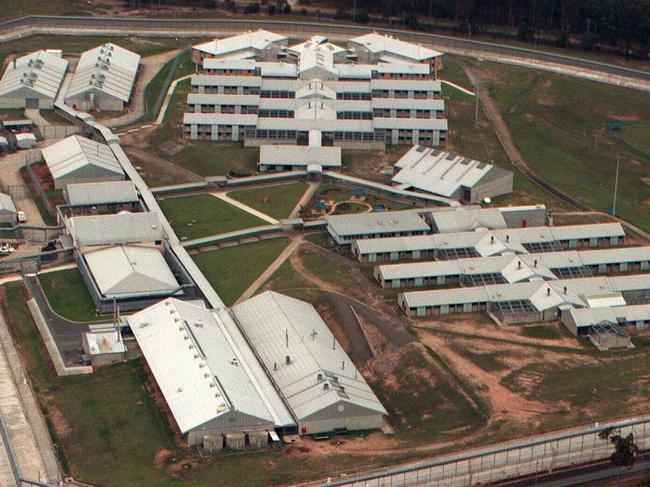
column 104, row 345
column 322, row 387
column 77, row 159
column 7, row 209
column 450, row 175
column 121, row 228
column 103, row 79
column 465, row 220
column 130, row 276
column 104, row 193
column 32, row 81
column 206, row 380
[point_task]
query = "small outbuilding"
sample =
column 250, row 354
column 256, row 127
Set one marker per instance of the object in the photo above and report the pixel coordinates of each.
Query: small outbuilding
column 103, row 345
column 77, row 159
column 7, row 209
column 25, row 141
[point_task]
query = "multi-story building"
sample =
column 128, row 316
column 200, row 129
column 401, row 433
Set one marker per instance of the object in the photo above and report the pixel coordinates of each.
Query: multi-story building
column 317, row 85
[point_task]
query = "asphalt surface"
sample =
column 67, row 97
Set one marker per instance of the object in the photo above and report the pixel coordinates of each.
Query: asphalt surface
column 67, row 334
column 603, row 473
column 180, row 26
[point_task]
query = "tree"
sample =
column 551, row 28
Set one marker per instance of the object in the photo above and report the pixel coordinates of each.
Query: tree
column 625, row 449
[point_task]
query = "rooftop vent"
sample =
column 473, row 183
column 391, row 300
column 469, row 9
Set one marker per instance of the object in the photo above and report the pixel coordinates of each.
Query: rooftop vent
column 234, row 362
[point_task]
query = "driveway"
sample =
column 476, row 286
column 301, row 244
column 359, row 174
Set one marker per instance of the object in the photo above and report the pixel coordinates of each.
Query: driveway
column 10, row 166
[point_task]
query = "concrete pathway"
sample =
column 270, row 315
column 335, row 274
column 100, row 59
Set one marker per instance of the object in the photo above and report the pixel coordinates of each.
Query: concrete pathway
column 304, row 199
column 28, row 435
column 149, row 67
column 168, row 97
column 10, row 166
column 275, row 265
column 224, row 197
column 458, row 87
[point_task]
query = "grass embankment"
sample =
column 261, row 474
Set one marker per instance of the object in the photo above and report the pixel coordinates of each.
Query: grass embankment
column 203, row 215
column 68, row 295
column 558, row 125
column 232, row 270
column 276, row 201
column 477, row 139
column 203, row 157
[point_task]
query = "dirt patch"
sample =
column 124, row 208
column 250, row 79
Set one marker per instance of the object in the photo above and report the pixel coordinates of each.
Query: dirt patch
column 163, row 457
column 504, row 403
column 60, row 424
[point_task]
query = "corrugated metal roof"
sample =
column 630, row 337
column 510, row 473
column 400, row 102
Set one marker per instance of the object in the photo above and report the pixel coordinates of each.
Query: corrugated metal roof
column 439, row 172
column 38, row 71
column 463, row 220
column 380, row 44
column 81, row 194
column 230, row 46
column 109, row 69
column 6, row 203
column 279, row 327
column 196, row 364
column 130, row 271
column 295, row 155
column 75, row 152
column 121, row 228
column 377, row 222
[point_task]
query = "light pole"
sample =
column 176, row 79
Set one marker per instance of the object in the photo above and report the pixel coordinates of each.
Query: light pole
column 618, row 164
column 478, row 88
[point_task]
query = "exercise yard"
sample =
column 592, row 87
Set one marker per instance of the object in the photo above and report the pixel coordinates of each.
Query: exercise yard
column 202, row 215
column 238, row 264
column 68, row 296
column 276, row 201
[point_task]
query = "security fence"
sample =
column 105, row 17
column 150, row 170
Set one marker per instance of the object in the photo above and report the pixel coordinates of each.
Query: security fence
column 508, row 461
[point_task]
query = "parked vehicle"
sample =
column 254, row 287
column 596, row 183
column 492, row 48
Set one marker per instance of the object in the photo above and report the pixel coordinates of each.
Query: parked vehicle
column 6, row 249
column 22, row 218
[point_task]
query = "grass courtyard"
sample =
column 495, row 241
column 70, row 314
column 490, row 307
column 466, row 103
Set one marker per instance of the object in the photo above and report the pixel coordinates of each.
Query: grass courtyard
column 202, row 157
column 276, row 201
column 232, row 270
column 202, row 215
column 68, row 296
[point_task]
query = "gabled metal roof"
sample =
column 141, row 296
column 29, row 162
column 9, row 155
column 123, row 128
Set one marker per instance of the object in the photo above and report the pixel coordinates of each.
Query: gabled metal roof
column 75, row 152
column 302, row 356
column 39, row 71
column 123, row 271
column 85, row 194
column 121, row 228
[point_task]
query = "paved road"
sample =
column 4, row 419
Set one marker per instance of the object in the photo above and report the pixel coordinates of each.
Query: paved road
column 567, row 65
column 10, row 166
column 604, row 472
column 238, row 204
column 66, row 334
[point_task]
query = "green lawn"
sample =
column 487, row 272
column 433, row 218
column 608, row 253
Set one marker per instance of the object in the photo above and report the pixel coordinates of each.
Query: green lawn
column 68, row 295
column 53, row 117
column 478, row 140
column 155, row 87
column 637, row 135
column 276, row 201
column 342, row 193
column 540, row 331
column 203, row 157
column 232, row 270
column 558, row 124
column 203, row 215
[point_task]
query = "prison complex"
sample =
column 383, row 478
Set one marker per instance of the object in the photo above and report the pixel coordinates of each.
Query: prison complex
column 377, row 91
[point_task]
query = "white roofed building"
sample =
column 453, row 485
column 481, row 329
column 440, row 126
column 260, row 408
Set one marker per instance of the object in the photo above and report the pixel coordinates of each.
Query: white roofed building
column 121, row 228
column 130, row 276
column 450, row 175
column 313, row 85
column 376, row 47
column 77, row 159
column 7, row 209
column 32, row 81
column 260, row 44
column 316, row 378
column 103, row 79
column 207, row 374
column 110, row 192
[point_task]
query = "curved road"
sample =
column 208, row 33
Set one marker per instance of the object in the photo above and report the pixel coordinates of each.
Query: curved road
column 584, row 68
